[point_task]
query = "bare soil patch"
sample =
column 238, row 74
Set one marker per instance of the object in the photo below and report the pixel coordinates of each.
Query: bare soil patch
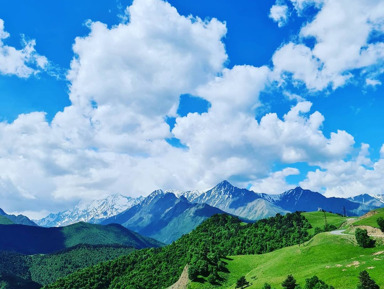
column 182, row 283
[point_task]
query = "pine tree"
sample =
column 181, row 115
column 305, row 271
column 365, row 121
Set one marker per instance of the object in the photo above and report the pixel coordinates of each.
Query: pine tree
column 267, row 286
column 242, row 282
column 366, row 282
column 289, row 283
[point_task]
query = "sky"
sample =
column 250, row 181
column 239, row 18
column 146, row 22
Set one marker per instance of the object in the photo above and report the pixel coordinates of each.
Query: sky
column 122, row 96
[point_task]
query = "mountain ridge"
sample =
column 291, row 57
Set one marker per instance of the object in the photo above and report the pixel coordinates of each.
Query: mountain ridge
column 39, row 240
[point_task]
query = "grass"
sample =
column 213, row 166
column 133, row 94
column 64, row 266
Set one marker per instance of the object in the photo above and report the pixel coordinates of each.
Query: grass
column 371, row 220
column 316, row 219
column 328, row 256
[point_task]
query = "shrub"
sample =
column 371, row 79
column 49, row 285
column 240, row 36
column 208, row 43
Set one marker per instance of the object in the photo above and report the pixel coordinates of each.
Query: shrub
column 380, row 222
column 363, row 239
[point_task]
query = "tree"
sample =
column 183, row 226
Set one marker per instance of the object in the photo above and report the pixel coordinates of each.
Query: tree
column 363, row 239
column 242, row 282
column 316, row 283
column 193, row 273
column 366, row 282
column 380, row 222
column 289, row 283
column 267, row 286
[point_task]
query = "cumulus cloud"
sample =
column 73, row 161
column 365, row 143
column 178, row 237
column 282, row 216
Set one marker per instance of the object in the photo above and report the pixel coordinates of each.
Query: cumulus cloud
column 22, row 63
column 126, row 80
column 279, row 14
column 337, row 53
column 275, row 183
column 344, row 178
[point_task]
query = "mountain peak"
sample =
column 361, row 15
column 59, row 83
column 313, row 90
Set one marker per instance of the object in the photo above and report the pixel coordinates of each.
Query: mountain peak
column 223, row 185
column 156, row 193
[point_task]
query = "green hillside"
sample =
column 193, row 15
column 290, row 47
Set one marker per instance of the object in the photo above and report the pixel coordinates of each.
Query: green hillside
column 37, row 240
column 45, row 269
column 337, row 260
column 317, row 220
column 371, row 219
column 5, row 221
column 217, row 237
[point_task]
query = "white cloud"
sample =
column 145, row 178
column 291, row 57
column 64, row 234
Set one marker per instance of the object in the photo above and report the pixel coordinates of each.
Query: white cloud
column 125, row 80
column 22, row 63
column 279, row 14
column 275, row 183
column 343, row 178
column 372, row 82
column 337, row 53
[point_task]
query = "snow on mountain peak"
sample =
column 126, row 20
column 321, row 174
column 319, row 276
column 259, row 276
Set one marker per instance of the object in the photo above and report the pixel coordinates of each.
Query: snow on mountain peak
column 91, row 211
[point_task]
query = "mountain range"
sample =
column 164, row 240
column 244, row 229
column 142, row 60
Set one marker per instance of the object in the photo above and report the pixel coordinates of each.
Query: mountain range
column 15, row 219
column 167, row 215
column 90, row 212
column 163, row 216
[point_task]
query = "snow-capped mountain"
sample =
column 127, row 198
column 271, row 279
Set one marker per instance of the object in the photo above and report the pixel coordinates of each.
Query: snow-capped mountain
column 299, row 199
column 189, row 195
column 368, row 200
column 91, row 212
column 163, row 216
column 240, row 202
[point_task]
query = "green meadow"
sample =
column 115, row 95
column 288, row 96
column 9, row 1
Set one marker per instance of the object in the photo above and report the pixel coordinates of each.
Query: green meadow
column 336, row 259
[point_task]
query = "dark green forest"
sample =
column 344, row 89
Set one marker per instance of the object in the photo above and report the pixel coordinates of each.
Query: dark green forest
column 17, row 270
column 204, row 249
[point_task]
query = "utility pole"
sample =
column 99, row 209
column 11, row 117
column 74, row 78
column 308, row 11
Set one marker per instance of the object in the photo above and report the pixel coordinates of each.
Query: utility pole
column 325, row 220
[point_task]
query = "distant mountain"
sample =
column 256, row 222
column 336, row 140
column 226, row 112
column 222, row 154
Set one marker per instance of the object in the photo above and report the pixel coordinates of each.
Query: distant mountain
column 163, row 216
column 299, row 199
column 91, row 212
column 37, row 240
column 240, row 202
column 5, row 221
column 13, row 219
column 368, row 200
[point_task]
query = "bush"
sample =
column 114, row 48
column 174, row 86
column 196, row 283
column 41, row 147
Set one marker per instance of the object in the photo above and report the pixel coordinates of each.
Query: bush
column 267, row 286
column 363, row 239
column 380, row 222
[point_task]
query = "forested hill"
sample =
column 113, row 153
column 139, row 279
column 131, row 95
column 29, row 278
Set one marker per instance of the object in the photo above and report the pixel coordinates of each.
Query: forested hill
column 37, row 240
column 17, row 270
column 202, row 249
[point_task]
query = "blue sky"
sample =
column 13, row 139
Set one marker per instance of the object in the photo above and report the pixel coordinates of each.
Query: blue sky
column 127, row 97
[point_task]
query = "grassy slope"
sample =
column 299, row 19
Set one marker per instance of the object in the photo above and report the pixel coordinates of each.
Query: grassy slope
column 307, row 260
column 372, row 220
column 316, row 219
column 326, row 256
